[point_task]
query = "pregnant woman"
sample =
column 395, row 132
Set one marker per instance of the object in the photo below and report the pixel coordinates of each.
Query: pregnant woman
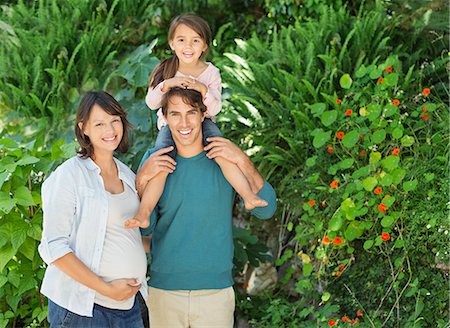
column 95, row 266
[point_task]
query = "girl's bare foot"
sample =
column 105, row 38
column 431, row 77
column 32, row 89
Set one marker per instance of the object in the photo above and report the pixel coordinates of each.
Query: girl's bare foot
column 254, row 201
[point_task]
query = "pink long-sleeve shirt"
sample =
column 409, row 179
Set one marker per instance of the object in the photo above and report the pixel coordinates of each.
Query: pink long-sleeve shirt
column 212, row 100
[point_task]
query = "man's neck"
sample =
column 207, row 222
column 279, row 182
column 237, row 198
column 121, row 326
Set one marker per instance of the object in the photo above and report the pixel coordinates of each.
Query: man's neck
column 189, row 151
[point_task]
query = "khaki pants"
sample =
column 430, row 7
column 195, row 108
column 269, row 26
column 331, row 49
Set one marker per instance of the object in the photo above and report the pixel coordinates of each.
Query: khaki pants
column 191, row 308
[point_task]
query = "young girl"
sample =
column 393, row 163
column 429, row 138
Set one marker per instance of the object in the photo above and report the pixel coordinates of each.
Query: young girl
column 189, row 37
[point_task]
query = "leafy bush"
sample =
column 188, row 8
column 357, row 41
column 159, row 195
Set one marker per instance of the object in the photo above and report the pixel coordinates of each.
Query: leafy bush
column 357, row 147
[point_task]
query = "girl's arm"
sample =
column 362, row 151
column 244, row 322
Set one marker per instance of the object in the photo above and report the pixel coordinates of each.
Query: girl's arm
column 213, row 97
column 154, row 96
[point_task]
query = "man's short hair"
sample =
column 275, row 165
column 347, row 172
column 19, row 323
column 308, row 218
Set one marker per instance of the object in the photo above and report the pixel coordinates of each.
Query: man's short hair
column 190, row 97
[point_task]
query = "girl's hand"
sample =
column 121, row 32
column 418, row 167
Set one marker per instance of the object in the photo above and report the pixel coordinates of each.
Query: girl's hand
column 178, row 81
column 200, row 87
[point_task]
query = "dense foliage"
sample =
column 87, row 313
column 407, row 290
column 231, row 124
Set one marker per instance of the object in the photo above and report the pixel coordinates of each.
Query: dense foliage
column 342, row 107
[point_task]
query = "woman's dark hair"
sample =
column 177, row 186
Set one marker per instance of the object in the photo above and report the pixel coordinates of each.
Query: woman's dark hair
column 189, row 96
column 109, row 105
column 169, row 67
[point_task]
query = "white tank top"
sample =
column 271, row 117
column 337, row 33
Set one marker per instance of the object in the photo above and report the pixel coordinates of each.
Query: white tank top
column 123, row 255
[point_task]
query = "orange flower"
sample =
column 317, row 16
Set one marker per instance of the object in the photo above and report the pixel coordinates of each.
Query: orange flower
column 380, row 80
column 354, row 321
column 389, row 69
column 395, row 152
column 359, row 313
column 378, row 191
column 424, row 109
column 382, row 207
column 311, row 202
column 338, row 101
column 338, row 273
column 326, row 240
column 348, row 112
column 385, row 236
column 331, row 323
column 341, row 267
column 334, row 184
column 340, row 135
column 426, row 91
column 337, row 241
column 424, row 117
column 395, row 102
column 329, row 149
column 345, row 319
column 362, row 153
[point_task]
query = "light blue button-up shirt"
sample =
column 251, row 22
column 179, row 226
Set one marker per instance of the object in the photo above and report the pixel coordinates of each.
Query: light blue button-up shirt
column 75, row 208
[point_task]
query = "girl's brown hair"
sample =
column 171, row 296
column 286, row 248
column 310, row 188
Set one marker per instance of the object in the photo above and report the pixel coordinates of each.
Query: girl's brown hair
column 168, row 67
column 109, row 105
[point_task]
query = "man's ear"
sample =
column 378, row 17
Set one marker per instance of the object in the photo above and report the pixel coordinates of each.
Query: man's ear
column 203, row 116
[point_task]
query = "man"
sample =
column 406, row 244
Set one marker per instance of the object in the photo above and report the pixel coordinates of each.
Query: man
column 192, row 243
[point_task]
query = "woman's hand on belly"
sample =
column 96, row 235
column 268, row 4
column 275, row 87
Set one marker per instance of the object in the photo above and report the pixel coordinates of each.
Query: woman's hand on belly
column 122, row 289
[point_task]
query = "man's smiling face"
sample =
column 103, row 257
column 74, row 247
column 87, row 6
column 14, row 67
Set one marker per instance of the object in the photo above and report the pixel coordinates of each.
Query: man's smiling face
column 185, row 124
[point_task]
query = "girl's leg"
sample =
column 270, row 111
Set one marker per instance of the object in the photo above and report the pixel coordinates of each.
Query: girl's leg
column 237, row 179
column 152, row 194
column 231, row 171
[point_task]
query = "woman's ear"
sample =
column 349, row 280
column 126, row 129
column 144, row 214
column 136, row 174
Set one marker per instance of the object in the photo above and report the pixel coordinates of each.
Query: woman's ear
column 80, row 126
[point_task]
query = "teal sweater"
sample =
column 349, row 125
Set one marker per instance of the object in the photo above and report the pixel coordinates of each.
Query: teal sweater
column 192, row 242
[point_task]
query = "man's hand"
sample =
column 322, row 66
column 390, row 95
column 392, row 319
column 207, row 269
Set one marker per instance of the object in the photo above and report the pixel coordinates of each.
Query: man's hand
column 155, row 164
column 221, row 147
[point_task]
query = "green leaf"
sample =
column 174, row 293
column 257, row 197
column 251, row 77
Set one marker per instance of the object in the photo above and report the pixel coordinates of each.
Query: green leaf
column 28, row 248
column 410, row 185
column 375, row 73
column 6, row 202
column 3, row 177
column 336, row 222
column 386, row 180
column 390, row 110
column 349, row 208
column 399, row 243
column 346, row 163
column 329, row 117
column 391, row 79
column 345, row 81
column 390, row 163
column 361, row 71
column 374, row 157
column 354, row 230
column 350, row 139
column 373, row 112
column 26, row 283
column 317, row 109
column 397, row 133
column 311, row 161
column 362, row 172
column 369, row 183
column 23, row 196
column 378, row 136
column 429, row 177
column 407, row 141
column 321, row 138
column 27, row 159
column 18, row 236
column 397, row 175
column 388, row 201
column 368, row 244
column 6, row 254
column 307, row 269
column 3, row 281
column 387, row 221
column 326, row 296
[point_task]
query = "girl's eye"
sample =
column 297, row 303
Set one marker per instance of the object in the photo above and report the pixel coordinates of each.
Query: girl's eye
column 99, row 124
column 116, row 120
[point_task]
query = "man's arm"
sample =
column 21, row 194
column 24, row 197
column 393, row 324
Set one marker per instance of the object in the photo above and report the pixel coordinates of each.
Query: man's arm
column 221, row 147
column 151, row 165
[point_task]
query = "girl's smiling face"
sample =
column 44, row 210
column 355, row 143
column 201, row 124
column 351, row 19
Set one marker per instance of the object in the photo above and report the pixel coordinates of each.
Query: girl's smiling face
column 187, row 44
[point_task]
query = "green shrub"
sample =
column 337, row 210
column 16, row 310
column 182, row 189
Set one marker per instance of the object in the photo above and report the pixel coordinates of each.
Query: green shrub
column 330, row 125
